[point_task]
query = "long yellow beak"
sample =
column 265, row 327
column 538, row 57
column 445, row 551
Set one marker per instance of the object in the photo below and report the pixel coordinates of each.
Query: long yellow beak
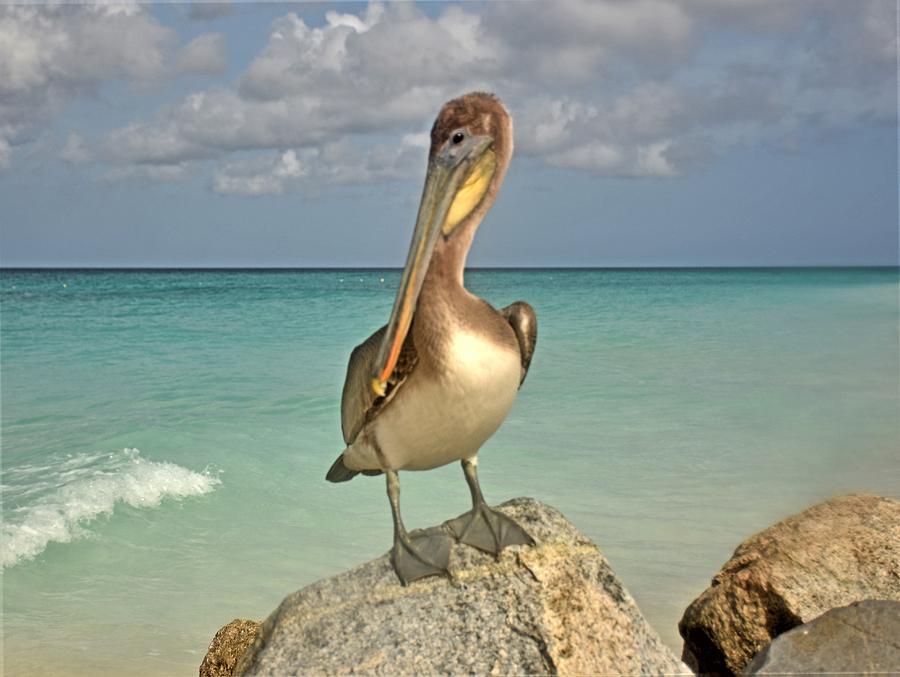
column 446, row 172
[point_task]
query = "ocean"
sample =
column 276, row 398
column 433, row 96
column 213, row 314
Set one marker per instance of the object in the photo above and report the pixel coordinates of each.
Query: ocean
column 166, row 434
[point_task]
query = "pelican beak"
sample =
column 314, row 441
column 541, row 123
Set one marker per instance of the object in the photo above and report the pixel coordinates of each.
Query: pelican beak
column 447, row 171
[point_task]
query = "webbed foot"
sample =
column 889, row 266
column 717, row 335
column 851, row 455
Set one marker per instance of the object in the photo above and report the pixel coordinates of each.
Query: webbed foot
column 419, row 553
column 488, row 530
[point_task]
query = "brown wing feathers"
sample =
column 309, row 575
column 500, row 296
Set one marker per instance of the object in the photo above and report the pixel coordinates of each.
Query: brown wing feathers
column 359, row 404
column 522, row 319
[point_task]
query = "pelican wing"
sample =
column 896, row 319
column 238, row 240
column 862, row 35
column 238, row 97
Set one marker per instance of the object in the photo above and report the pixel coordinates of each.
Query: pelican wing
column 359, row 404
column 522, row 319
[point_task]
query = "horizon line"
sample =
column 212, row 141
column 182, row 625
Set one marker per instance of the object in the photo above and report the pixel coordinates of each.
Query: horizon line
column 472, row 268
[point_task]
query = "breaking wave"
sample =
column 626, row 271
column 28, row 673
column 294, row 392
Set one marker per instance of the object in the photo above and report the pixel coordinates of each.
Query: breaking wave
column 60, row 500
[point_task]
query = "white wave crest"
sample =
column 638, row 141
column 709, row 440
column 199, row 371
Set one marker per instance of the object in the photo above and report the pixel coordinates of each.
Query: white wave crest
column 88, row 486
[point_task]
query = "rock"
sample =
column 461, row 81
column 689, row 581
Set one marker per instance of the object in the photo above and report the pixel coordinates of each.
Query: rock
column 838, row 552
column 556, row 608
column 227, row 646
column 860, row 638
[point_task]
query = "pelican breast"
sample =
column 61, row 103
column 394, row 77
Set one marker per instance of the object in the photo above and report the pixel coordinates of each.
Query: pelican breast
column 446, row 415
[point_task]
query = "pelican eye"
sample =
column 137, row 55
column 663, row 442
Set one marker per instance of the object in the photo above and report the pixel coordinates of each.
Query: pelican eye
column 458, row 137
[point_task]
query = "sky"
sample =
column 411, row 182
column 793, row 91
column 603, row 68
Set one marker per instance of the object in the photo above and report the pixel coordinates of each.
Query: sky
column 647, row 132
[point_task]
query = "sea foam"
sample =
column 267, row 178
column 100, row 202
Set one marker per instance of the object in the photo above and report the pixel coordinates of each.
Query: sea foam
column 67, row 496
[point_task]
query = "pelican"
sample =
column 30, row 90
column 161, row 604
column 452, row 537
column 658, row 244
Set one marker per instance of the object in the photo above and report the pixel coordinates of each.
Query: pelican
column 436, row 382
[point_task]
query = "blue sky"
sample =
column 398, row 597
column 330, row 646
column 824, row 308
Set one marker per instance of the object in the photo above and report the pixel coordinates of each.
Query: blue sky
column 651, row 132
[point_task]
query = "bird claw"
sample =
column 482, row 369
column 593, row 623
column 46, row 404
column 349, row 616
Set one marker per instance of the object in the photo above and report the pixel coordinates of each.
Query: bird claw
column 488, row 530
column 419, row 554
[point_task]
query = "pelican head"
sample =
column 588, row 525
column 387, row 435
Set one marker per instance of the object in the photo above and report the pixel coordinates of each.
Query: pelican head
column 471, row 145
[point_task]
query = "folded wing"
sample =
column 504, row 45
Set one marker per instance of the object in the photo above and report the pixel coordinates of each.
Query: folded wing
column 522, row 319
column 359, row 403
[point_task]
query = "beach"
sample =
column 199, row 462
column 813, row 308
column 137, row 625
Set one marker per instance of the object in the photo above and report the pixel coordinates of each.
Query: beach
column 166, row 436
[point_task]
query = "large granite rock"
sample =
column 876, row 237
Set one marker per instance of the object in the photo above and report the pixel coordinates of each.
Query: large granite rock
column 835, row 553
column 861, row 638
column 556, row 608
column 229, row 644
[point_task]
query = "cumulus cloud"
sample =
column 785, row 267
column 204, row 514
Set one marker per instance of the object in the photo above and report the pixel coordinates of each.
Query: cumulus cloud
column 336, row 163
column 639, row 88
column 5, row 151
column 313, row 86
column 649, row 129
column 203, row 54
column 262, row 177
column 634, row 161
column 579, row 41
column 597, row 86
column 170, row 172
column 839, row 43
column 75, row 151
column 51, row 53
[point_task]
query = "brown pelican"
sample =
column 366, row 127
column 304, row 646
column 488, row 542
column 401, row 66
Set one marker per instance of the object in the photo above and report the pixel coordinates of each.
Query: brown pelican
column 436, row 382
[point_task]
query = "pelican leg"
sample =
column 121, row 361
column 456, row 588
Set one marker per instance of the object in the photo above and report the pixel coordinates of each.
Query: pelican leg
column 481, row 527
column 420, row 553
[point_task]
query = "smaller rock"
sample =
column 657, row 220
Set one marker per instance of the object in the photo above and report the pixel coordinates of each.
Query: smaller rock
column 859, row 638
column 844, row 550
column 227, row 647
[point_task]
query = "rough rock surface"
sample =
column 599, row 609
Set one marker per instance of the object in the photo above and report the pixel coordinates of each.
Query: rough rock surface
column 230, row 642
column 556, row 608
column 841, row 551
column 861, row 638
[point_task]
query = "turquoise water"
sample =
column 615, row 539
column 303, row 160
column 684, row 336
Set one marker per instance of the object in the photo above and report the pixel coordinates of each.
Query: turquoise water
column 166, row 435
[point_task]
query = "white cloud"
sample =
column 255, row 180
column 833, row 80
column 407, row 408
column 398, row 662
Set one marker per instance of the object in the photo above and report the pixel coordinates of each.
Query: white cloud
column 76, row 46
column 639, row 88
column 618, row 160
column 203, row 54
column 75, row 151
column 634, row 161
column 311, row 86
column 843, row 44
column 261, row 176
column 5, row 152
column 420, row 140
column 331, row 164
column 172, row 172
column 51, row 53
column 628, row 136
column 575, row 41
